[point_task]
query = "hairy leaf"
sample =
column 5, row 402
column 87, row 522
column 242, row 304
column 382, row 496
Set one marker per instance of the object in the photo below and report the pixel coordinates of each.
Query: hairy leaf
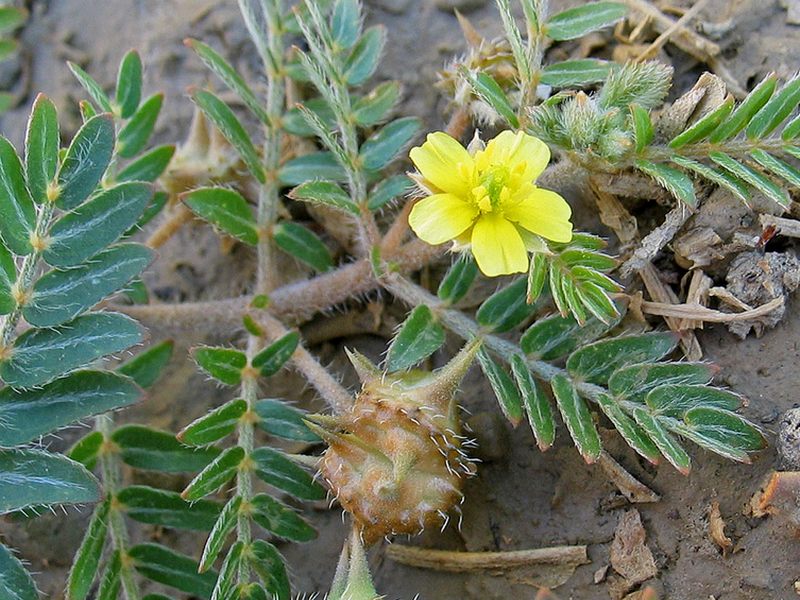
column 223, row 364
column 153, row 450
column 503, row 387
column 214, row 425
column 15, row 582
column 540, row 413
column 577, row 418
column 42, row 141
column 172, row 569
column 85, row 161
column 87, row 559
column 167, row 509
column 134, row 135
column 216, row 474
column 303, row 244
column 17, row 211
column 225, row 209
column 284, row 421
column 277, row 470
column 420, row 336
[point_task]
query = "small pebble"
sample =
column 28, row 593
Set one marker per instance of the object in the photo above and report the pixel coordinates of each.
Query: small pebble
column 789, row 440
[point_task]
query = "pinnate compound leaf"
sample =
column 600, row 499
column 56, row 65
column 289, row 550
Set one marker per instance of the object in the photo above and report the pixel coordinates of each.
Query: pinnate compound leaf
column 577, row 22
column 35, row 477
column 303, row 244
column 503, row 387
column 134, row 135
column 575, row 73
column 60, row 296
column 223, row 364
column 228, row 124
column 629, row 429
column 175, row 570
column 665, row 442
column 280, row 519
column 596, row 362
column 279, row 471
column 167, row 509
column 85, row 231
column 222, row 527
column 87, row 559
column 420, row 336
column 577, row 418
column 722, row 178
column 540, row 413
column 17, row 211
column 146, row 367
column 129, row 84
column 85, row 161
column 635, row 381
column 15, row 582
column 215, row 425
column 42, row 141
column 225, row 209
column 507, row 308
column 279, row 419
column 215, row 475
column 272, row 358
column 458, row 279
column 41, row 355
column 28, row 414
column 153, row 450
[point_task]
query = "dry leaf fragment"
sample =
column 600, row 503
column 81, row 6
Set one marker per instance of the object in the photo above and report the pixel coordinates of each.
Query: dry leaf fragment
column 716, row 527
column 630, row 556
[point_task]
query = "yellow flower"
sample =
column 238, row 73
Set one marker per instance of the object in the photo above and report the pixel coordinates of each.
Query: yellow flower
column 489, row 199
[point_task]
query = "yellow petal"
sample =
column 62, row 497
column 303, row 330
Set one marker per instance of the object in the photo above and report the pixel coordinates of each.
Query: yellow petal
column 498, row 247
column 543, row 212
column 441, row 217
column 445, row 163
column 513, row 149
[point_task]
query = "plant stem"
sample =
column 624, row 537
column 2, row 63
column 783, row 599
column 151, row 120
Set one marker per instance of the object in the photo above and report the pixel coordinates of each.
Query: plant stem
column 110, row 472
column 266, row 214
column 465, row 327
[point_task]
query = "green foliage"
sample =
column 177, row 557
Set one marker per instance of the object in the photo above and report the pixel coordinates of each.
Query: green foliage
column 419, row 336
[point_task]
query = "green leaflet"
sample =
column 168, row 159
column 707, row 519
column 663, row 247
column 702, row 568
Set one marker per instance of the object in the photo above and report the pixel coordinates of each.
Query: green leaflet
column 129, row 84
column 8, row 276
column 85, row 231
column 577, row 418
column 272, row 358
column 223, row 364
column 134, row 135
column 458, row 279
column 632, row 433
column 303, row 244
column 15, row 582
column 311, row 167
column 60, row 296
column 148, row 166
column 385, row 145
column 596, row 362
column 388, row 190
column 42, row 141
column 28, row 414
column 225, row 209
column 556, row 336
column 85, row 161
column 172, row 569
column 326, row 193
column 215, row 425
column 167, row 509
column 420, row 336
column 675, row 400
column 40, row 355
column 35, row 478
column 577, row 22
column 506, row 308
column 150, row 449
column 280, row 519
column 269, row 565
column 215, row 474
column 372, row 109
column 87, row 559
column 146, row 367
column 279, row 419
column 666, row 443
column 365, row 56
column 504, row 389
column 223, row 525
column 537, row 405
column 575, row 73
column 635, row 381
column 17, row 211
column 279, row 471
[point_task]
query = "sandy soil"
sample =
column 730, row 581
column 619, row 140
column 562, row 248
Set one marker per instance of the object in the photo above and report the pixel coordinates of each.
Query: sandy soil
column 524, row 499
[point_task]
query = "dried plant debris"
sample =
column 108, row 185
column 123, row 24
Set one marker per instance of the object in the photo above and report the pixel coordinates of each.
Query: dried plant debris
column 757, row 278
column 716, row 529
column 779, row 496
column 789, row 440
column 630, row 557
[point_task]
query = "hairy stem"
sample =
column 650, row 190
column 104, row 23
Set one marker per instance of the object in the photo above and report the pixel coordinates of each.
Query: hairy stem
column 110, row 472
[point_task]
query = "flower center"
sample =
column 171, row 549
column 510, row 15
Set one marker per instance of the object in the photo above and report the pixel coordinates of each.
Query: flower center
column 492, row 189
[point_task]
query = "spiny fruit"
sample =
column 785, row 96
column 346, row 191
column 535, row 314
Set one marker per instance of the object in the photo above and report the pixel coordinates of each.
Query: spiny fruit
column 395, row 460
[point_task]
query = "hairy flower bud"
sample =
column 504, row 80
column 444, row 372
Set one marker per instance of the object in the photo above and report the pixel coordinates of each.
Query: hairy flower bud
column 395, row 460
